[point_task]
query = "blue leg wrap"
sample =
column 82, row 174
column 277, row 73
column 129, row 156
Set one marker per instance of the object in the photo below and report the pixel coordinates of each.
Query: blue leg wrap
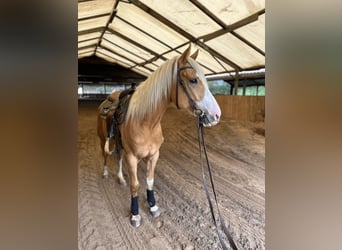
column 135, row 206
column 150, row 198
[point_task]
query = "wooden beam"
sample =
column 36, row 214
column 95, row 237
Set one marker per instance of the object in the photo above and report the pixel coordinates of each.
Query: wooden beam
column 248, row 43
column 93, row 30
column 227, row 28
column 92, row 17
column 81, row 1
column 163, row 19
column 183, row 33
column 84, row 53
column 233, row 26
column 144, row 32
column 110, row 19
column 208, row 13
column 218, row 55
column 118, row 54
column 87, row 47
column 114, row 32
column 129, row 52
column 87, row 40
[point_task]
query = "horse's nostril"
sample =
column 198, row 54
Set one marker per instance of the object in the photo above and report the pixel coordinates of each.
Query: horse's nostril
column 217, row 116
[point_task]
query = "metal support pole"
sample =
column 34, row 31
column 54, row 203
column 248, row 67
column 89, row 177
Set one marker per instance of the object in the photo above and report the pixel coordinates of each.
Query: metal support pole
column 236, row 82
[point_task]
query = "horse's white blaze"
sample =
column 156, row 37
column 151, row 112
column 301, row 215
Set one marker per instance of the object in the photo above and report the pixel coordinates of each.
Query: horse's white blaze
column 105, row 171
column 209, row 105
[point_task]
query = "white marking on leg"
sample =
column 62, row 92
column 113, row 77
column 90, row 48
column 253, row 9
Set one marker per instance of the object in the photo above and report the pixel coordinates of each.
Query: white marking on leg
column 120, row 175
column 149, row 184
column 105, row 171
column 106, row 147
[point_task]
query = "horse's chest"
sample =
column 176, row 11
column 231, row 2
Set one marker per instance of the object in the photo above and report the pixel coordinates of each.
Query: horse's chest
column 145, row 144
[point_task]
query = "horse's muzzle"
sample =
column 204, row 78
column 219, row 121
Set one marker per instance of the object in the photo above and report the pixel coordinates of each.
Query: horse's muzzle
column 207, row 119
column 210, row 121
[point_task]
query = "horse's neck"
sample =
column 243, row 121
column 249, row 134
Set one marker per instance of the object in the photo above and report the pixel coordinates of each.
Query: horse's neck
column 154, row 118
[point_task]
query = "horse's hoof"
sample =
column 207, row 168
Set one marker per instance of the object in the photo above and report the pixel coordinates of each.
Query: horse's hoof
column 122, row 182
column 155, row 212
column 105, row 176
column 136, row 220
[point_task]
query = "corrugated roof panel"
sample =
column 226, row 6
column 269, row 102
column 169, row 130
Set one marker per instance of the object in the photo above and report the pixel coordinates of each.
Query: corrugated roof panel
column 205, row 58
column 87, row 50
column 185, row 15
column 225, row 66
column 254, row 32
column 137, row 36
column 93, row 8
column 89, row 36
column 142, row 71
column 87, row 43
column 127, row 46
column 117, row 50
column 159, row 62
column 141, row 27
column 232, row 11
column 172, row 54
column 118, row 59
column 152, row 66
column 107, row 58
column 241, row 54
column 149, row 24
column 85, row 54
column 92, row 23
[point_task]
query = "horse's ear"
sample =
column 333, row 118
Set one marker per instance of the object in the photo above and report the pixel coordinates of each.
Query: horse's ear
column 195, row 54
column 183, row 58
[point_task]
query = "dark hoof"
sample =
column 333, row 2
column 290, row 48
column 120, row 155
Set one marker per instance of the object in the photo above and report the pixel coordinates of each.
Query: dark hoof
column 135, row 220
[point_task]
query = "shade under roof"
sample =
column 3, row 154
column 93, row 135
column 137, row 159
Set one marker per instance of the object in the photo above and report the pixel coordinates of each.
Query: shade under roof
column 142, row 34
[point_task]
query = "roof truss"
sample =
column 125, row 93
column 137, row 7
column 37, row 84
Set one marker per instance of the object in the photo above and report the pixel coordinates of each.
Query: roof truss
column 226, row 45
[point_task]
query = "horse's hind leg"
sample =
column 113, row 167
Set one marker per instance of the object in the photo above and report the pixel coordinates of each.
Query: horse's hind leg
column 105, row 167
column 122, row 180
column 151, row 164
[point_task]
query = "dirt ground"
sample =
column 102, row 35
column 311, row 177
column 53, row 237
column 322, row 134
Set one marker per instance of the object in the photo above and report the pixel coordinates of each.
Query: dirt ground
column 237, row 154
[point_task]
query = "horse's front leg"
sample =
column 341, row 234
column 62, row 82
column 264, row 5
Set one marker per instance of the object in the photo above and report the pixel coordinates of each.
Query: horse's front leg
column 132, row 164
column 151, row 164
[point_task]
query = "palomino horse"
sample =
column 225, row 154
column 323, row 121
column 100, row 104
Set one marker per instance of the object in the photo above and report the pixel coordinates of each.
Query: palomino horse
column 141, row 132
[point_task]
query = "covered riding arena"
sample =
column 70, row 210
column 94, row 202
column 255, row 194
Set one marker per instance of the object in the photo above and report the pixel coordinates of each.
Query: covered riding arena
column 120, row 43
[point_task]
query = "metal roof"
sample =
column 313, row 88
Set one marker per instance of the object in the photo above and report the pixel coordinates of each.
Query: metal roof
column 141, row 34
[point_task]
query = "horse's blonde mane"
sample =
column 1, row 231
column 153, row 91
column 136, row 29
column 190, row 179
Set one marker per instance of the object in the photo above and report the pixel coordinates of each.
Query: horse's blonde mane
column 150, row 92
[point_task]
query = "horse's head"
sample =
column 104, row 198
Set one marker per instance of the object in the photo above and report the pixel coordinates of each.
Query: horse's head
column 192, row 92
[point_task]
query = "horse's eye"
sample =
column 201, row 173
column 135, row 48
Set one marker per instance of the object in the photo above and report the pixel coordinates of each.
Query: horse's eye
column 193, row 81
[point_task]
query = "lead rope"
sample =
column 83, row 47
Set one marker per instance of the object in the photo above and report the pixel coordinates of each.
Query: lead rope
column 201, row 144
